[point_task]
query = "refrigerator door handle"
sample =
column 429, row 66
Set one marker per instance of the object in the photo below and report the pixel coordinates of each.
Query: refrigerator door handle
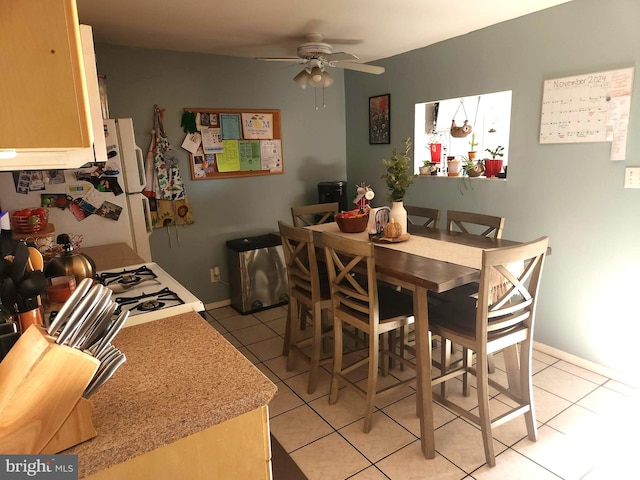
column 142, row 178
column 147, row 214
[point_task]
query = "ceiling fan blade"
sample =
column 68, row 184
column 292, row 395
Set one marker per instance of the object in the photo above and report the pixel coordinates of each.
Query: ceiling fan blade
column 282, row 59
column 361, row 67
column 339, row 56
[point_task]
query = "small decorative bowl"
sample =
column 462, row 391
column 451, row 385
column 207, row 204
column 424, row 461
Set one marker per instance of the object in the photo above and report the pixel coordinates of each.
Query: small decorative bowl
column 350, row 222
column 29, row 220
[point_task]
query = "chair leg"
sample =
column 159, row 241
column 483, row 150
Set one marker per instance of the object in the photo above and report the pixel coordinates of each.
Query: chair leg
column 324, row 322
column 372, row 381
column 287, row 334
column 482, row 372
column 316, row 348
column 526, row 391
column 467, row 360
column 491, row 364
column 386, row 358
column 445, row 360
column 293, row 337
column 337, row 359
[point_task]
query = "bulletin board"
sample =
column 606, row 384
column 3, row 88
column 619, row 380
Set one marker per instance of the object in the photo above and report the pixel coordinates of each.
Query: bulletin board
column 592, row 107
column 234, row 143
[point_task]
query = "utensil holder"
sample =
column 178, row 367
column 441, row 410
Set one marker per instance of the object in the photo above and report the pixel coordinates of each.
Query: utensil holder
column 41, row 404
column 31, row 317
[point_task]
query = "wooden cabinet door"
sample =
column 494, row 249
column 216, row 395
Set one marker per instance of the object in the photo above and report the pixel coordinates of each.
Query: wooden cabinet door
column 43, row 95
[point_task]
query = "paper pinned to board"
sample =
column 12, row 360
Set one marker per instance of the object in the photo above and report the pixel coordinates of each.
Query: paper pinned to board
column 271, row 155
column 249, row 155
column 191, row 142
column 229, row 159
column 257, row 126
column 212, row 140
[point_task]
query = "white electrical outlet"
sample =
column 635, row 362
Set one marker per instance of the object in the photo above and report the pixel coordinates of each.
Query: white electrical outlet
column 632, row 177
column 215, row 274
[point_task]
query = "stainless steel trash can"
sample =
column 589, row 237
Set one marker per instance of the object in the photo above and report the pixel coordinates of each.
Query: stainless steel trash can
column 257, row 273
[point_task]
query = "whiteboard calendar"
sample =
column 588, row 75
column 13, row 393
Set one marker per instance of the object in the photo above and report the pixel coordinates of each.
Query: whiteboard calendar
column 587, row 108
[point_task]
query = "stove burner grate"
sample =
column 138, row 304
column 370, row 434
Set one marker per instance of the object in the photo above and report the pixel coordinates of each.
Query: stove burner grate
column 127, row 278
column 150, row 306
column 148, row 302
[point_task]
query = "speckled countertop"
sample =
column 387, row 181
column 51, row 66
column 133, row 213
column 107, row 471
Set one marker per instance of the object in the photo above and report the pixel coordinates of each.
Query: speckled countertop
column 181, row 376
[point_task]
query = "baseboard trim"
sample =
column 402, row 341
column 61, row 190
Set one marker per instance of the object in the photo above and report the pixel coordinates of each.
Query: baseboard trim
column 587, row 364
column 220, row 304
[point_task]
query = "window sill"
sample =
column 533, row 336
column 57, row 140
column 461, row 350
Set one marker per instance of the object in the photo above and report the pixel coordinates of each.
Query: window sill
column 462, row 177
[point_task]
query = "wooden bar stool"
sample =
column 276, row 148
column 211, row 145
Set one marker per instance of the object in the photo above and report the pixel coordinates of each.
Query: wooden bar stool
column 359, row 301
column 305, row 290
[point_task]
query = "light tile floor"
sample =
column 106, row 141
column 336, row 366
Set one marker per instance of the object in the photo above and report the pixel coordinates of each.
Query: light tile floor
column 586, row 422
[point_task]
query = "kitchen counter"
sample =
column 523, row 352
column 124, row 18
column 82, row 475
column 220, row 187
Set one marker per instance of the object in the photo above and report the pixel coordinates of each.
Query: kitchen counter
column 181, row 379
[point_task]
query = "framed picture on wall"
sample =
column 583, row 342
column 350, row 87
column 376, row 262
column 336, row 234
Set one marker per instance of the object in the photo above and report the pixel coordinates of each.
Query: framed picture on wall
column 380, row 119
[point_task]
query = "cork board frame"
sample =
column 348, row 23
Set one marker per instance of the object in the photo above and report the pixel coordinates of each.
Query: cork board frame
column 248, row 143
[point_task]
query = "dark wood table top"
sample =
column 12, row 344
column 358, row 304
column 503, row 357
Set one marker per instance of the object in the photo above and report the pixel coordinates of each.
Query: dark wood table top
column 433, row 275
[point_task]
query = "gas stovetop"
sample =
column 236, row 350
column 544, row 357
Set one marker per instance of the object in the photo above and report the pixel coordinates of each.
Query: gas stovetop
column 148, row 292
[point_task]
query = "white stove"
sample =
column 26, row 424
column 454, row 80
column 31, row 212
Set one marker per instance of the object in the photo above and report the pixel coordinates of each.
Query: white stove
column 148, row 292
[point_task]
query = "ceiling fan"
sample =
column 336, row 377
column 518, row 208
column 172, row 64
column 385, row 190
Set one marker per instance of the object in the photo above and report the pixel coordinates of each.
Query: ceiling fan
column 316, row 56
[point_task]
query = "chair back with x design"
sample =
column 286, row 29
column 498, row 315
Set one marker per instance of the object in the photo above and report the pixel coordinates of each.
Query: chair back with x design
column 465, row 222
column 306, row 215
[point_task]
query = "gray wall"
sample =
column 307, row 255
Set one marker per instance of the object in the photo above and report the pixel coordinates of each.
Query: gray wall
column 572, row 193
column 313, row 144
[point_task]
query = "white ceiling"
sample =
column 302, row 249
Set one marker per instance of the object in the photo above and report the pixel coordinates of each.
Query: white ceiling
column 369, row 29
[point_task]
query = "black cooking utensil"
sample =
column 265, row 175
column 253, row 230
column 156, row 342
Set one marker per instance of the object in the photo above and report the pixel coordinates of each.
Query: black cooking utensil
column 20, row 260
column 5, row 268
column 9, row 294
column 32, row 284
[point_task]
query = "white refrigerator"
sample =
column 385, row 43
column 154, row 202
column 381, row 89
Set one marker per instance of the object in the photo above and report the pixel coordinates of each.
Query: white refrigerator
column 99, row 203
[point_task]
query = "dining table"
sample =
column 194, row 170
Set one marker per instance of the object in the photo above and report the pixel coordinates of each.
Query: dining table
column 425, row 261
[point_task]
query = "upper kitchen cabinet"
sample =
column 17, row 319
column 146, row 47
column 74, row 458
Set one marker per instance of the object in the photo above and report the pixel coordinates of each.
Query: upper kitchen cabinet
column 48, row 85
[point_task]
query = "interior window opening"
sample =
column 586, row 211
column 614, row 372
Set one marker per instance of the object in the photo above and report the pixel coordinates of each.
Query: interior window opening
column 442, row 131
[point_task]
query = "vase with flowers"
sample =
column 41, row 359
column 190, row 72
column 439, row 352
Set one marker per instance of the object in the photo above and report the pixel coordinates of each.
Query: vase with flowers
column 398, row 180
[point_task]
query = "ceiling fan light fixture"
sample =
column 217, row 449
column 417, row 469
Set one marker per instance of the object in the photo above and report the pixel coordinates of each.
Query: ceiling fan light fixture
column 328, row 79
column 316, row 77
column 302, row 79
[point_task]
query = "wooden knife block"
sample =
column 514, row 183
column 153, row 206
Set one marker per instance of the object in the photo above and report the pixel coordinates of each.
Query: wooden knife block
column 41, row 404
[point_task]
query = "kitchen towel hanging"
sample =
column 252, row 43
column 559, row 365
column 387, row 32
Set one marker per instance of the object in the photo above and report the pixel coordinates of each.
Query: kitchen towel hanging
column 464, row 130
column 168, row 201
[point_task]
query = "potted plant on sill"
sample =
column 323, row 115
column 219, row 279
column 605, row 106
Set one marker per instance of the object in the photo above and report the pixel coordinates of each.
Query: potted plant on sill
column 428, row 168
column 473, row 169
column 398, row 180
column 493, row 165
column 454, row 167
column 473, row 144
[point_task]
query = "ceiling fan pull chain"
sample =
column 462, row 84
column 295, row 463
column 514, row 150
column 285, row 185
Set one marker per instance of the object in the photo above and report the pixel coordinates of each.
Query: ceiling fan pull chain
column 315, row 96
column 324, row 105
